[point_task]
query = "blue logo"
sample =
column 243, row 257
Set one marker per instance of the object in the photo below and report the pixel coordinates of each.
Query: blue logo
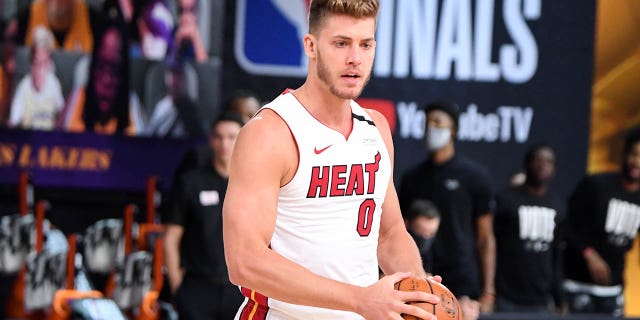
column 269, row 37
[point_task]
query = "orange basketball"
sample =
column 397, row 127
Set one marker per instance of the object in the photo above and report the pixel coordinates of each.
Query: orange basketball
column 448, row 308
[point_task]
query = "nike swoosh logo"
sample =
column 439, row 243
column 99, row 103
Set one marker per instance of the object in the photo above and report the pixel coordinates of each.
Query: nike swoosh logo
column 315, row 149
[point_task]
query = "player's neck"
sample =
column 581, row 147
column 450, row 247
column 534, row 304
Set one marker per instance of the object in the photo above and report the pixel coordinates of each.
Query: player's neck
column 330, row 110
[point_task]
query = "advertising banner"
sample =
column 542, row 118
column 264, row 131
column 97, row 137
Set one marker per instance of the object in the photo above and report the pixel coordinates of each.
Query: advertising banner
column 88, row 160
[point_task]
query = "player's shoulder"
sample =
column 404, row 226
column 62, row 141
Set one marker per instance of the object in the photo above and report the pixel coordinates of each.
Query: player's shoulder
column 266, row 124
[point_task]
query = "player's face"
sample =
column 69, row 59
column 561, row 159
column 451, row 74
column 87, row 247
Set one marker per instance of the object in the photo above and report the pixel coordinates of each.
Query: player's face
column 632, row 163
column 223, row 139
column 345, row 49
column 542, row 166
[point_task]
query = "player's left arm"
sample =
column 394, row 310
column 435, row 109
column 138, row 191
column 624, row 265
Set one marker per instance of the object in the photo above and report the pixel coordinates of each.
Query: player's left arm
column 397, row 252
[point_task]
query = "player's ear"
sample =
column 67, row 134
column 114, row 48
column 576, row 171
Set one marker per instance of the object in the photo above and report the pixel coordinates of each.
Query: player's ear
column 310, row 44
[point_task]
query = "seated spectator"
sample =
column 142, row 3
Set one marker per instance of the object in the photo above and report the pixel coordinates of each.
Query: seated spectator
column 188, row 37
column 243, row 102
column 38, row 98
column 176, row 114
column 527, row 226
column 72, row 23
column 105, row 105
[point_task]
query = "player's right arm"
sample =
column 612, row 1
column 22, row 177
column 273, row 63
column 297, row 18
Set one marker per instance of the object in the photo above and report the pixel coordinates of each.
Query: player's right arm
column 265, row 158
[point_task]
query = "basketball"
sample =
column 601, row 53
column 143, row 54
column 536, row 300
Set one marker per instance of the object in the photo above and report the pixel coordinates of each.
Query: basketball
column 448, row 308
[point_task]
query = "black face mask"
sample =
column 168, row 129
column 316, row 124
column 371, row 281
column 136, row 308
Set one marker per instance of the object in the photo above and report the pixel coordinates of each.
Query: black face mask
column 424, row 244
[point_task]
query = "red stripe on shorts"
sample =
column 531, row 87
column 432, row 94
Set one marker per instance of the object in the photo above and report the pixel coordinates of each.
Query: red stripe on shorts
column 256, row 308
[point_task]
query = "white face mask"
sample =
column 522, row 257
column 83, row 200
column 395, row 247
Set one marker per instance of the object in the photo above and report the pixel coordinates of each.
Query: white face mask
column 437, row 138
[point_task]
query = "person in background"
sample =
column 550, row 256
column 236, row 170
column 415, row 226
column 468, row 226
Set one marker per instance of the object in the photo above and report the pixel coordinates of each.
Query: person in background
column 462, row 191
column 423, row 221
column 72, row 23
column 105, row 105
column 603, row 221
column 187, row 37
column 244, row 102
column 194, row 253
column 528, row 229
column 38, row 98
column 176, row 115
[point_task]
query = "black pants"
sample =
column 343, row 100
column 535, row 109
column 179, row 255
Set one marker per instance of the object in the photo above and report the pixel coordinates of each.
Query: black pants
column 200, row 299
column 588, row 303
column 503, row 304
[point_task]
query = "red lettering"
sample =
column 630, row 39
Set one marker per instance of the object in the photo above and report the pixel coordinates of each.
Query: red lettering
column 337, row 180
column 365, row 217
column 356, row 178
column 319, row 183
column 371, row 169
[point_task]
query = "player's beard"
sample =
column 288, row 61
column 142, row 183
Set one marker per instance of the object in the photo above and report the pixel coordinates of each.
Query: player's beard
column 325, row 76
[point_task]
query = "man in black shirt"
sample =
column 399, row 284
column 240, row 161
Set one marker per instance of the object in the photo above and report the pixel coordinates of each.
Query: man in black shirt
column 603, row 220
column 464, row 246
column 527, row 227
column 194, row 251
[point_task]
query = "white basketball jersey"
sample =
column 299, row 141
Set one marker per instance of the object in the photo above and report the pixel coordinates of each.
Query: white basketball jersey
column 329, row 214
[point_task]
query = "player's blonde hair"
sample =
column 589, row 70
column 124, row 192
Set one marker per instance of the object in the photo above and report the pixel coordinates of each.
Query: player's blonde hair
column 321, row 9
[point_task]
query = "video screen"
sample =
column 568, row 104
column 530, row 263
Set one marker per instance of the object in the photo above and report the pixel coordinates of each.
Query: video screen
column 137, row 68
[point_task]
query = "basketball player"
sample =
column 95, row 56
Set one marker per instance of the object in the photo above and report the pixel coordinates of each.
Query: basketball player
column 311, row 210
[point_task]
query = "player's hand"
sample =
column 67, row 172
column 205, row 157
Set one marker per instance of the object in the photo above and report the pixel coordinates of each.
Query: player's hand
column 382, row 301
column 599, row 269
column 435, row 278
column 470, row 308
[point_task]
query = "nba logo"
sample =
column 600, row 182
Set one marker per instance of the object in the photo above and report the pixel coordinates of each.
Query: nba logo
column 269, row 37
